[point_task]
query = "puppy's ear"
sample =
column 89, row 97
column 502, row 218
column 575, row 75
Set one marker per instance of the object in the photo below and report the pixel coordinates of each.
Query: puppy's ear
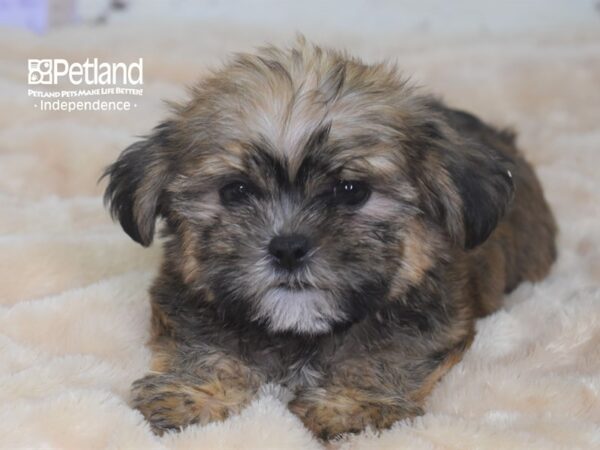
column 137, row 183
column 468, row 183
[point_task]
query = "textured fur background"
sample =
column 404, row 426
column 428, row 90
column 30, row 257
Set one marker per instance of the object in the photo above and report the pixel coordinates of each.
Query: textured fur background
column 74, row 314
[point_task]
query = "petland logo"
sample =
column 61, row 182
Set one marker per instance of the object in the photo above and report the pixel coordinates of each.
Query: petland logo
column 59, row 85
column 52, row 71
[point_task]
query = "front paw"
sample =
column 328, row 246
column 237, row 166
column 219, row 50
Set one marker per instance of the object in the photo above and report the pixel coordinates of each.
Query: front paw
column 172, row 402
column 334, row 411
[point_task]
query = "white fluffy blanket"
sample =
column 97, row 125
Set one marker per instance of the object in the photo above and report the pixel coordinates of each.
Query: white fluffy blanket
column 74, row 311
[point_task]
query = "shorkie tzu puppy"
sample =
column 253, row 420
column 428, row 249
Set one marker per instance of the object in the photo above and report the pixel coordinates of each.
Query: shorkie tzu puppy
column 326, row 228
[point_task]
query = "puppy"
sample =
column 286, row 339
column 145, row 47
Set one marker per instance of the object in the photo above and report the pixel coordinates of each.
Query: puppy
column 326, row 228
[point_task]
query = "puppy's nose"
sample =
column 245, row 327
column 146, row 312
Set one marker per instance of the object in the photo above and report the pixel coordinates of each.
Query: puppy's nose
column 289, row 250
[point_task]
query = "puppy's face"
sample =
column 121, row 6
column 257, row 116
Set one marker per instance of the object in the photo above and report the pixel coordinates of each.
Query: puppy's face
column 303, row 190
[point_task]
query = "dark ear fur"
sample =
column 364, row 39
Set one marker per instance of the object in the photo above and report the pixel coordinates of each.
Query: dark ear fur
column 136, row 185
column 468, row 180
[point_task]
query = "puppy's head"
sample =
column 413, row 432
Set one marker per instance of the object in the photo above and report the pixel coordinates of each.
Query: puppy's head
column 302, row 189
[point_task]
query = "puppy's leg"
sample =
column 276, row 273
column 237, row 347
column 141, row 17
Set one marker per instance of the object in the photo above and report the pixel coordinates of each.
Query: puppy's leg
column 207, row 386
column 371, row 392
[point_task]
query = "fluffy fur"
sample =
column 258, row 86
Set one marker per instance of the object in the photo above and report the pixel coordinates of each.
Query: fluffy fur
column 73, row 328
column 328, row 229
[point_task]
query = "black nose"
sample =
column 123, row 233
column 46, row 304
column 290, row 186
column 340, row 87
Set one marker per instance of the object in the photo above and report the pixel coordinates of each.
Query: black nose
column 289, row 250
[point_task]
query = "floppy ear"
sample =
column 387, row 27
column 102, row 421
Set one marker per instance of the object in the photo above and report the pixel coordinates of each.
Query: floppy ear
column 136, row 185
column 467, row 179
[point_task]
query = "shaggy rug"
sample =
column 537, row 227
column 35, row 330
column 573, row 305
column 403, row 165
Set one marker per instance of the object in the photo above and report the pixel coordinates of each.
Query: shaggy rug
column 74, row 312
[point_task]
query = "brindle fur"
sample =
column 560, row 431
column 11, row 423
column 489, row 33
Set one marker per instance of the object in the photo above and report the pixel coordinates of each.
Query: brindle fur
column 456, row 219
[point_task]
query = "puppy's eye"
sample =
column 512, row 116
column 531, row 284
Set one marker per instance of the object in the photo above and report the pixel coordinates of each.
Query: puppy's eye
column 236, row 192
column 351, row 193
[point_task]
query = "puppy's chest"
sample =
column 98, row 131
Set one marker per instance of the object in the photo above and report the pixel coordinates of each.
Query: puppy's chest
column 290, row 365
column 300, row 374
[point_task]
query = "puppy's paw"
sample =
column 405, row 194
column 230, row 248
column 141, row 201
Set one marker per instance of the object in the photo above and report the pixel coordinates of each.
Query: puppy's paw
column 172, row 402
column 331, row 412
